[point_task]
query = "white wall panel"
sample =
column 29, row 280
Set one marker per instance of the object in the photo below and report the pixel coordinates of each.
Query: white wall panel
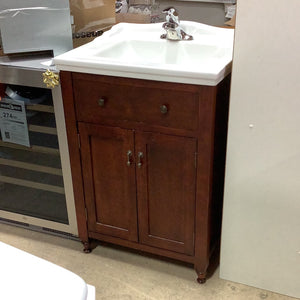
column 261, row 220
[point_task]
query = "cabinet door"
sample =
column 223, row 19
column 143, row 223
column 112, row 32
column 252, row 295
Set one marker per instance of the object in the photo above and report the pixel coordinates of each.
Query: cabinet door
column 109, row 180
column 166, row 190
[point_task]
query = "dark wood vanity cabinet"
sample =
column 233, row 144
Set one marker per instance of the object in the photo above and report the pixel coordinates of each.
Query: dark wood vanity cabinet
column 148, row 163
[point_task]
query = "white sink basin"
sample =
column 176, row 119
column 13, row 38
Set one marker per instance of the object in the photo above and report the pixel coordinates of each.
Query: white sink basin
column 137, row 51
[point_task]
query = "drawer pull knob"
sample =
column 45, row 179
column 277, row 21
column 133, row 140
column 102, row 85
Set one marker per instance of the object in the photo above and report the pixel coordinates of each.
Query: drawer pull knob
column 163, row 109
column 129, row 155
column 140, row 156
column 101, row 102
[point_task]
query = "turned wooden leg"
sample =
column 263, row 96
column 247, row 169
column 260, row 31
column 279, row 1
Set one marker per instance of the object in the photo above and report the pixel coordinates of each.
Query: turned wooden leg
column 201, row 278
column 87, row 247
column 201, row 273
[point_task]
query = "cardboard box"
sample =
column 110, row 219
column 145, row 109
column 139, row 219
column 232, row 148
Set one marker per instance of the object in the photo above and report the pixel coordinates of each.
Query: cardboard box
column 133, row 18
column 231, row 22
column 90, row 19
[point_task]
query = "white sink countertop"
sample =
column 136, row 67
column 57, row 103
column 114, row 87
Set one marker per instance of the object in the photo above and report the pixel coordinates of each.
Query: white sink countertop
column 137, row 51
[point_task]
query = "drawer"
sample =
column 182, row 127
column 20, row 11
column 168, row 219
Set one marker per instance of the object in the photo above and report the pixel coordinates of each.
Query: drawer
column 99, row 99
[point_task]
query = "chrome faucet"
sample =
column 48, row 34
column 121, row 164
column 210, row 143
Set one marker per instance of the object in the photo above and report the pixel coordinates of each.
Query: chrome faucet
column 174, row 32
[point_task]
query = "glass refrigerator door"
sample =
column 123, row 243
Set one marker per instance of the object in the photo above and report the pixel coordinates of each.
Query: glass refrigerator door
column 33, row 188
column 31, row 181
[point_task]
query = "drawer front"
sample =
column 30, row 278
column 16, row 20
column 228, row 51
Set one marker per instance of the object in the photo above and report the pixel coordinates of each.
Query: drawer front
column 99, row 100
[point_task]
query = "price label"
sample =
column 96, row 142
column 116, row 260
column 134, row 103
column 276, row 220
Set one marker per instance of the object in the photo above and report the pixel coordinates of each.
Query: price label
column 7, row 115
column 13, row 122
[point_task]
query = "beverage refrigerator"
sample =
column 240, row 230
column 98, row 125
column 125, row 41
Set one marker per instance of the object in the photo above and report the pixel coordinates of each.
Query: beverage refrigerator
column 35, row 178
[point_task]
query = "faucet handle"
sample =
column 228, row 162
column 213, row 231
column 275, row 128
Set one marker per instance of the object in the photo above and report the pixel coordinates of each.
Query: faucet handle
column 171, row 15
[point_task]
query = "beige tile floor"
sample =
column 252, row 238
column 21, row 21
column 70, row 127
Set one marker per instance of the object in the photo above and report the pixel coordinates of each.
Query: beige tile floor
column 119, row 274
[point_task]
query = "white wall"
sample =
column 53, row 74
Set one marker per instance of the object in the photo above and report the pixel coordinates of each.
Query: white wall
column 261, row 221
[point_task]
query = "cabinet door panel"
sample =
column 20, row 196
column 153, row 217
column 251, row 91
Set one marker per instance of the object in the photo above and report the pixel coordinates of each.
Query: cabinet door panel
column 109, row 182
column 166, row 191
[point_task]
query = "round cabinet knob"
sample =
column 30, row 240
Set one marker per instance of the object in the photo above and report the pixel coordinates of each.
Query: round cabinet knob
column 101, row 102
column 163, row 109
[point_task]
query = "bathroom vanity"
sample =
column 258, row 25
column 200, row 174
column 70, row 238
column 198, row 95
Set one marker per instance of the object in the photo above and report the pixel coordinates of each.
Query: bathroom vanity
column 147, row 155
column 147, row 163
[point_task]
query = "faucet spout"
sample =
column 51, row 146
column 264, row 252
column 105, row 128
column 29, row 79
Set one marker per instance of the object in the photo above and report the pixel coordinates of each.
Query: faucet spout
column 174, row 31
